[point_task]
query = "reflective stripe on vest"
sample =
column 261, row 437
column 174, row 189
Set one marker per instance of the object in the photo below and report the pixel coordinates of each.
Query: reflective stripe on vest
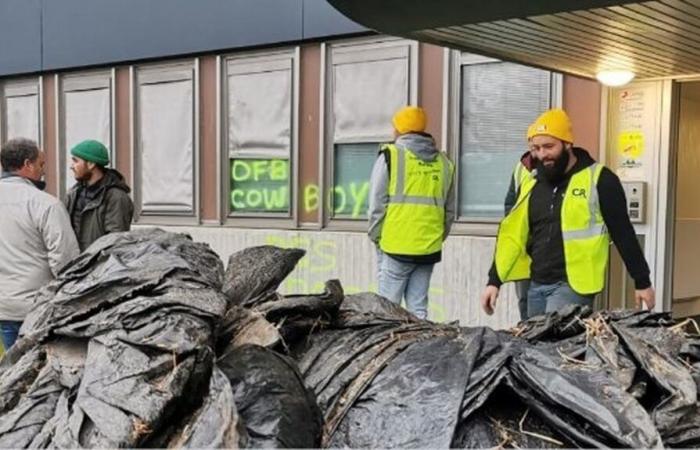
column 585, row 237
column 520, row 175
column 415, row 218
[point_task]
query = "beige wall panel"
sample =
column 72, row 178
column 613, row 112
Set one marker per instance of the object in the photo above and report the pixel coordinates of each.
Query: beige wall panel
column 207, row 138
column 430, row 75
column 350, row 257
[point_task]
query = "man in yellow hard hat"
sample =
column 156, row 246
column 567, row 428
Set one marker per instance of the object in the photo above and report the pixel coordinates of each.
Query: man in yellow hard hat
column 559, row 231
column 411, row 210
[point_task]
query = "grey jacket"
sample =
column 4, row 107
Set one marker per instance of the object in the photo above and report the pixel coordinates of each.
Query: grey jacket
column 36, row 241
column 421, row 145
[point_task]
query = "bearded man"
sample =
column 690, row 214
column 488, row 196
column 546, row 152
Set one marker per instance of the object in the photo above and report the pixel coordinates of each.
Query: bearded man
column 99, row 202
column 559, row 231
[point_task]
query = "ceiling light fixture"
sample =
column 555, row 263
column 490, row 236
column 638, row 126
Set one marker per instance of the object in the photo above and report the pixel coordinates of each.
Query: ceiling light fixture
column 615, row 77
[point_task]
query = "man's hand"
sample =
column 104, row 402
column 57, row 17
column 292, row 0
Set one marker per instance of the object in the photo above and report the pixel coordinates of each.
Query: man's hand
column 646, row 296
column 488, row 299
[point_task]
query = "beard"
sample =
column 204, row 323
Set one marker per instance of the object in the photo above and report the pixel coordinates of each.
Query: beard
column 555, row 172
column 83, row 175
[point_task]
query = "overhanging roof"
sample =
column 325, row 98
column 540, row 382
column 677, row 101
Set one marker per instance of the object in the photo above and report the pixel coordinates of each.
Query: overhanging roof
column 652, row 39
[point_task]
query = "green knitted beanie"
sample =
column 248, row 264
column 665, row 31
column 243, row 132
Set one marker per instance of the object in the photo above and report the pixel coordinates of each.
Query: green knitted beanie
column 92, row 151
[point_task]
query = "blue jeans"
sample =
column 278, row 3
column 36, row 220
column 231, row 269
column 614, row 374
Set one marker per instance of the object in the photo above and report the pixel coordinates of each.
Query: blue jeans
column 9, row 330
column 399, row 280
column 545, row 298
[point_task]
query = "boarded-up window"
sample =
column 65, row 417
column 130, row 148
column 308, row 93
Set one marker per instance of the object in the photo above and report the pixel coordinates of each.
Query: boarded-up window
column 20, row 110
column 86, row 102
column 165, row 144
column 499, row 100
column 260, row 129
column 367, row 83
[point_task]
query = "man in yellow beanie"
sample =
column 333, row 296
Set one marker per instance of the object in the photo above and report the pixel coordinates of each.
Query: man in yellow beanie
column 558, row 233
column 99, row 202
column 411, row 210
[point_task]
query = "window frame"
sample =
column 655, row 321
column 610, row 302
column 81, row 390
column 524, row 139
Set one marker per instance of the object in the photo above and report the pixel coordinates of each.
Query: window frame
column 19, row 87
column 160, row 73
column 271, row 220
column 452, row 104
column 79, row 82
column 355, row 47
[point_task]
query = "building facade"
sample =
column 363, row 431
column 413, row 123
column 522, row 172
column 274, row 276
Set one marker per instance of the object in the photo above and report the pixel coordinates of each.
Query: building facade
column 245, row 123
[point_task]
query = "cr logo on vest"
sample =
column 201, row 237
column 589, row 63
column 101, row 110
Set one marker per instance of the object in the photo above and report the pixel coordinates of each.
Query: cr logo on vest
column 579, row 192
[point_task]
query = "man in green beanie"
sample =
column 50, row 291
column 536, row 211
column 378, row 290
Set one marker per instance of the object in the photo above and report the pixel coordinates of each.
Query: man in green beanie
column 99, row 202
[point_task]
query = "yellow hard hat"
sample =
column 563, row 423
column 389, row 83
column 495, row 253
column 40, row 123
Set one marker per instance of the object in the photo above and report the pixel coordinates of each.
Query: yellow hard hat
column 555, row 123
column 408, row 119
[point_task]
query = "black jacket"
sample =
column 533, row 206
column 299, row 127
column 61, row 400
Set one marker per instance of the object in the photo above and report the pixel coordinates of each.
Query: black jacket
column 107, row 208
column 546, row 245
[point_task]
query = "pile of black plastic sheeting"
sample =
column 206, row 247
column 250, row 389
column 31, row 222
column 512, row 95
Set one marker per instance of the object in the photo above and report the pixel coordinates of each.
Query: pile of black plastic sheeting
column 144, row 341
column 384, row 378
column 121, row 351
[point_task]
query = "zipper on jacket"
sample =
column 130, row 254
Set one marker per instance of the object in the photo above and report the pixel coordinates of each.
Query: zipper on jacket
column 551, row 213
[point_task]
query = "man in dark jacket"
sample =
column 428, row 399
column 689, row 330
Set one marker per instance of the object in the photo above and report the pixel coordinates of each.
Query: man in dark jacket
column 522, row 171
column 99, row 202
column 559, row 230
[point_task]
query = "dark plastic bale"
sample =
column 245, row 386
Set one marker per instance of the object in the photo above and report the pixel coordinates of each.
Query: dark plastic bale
column 16, row 379
column 216, row 424
column 277, row 409
column 242, row 326
column 117, row 268
column 198, row 310
column 369, row 309
column 21, row 425
column 414, row 401
column 256, row 270
column 504, row 421
column 639, row 318
column 490, row 368
column 690, row 350
column 298, row 315
column 135, row 382
column 586, row 404
column 332, row 359
column 554, row 326
column 676, row 392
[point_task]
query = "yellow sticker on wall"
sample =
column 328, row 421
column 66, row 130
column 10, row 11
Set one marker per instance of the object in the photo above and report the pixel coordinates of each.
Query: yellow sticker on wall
column 630, row 144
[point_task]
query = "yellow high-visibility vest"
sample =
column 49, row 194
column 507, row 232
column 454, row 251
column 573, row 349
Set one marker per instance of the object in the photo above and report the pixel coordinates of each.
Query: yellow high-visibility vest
column 586, row 240
column 414, row 223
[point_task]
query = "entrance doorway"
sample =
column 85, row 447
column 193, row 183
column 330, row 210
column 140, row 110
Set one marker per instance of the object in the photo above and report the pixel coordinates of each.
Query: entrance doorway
column 686, row 245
